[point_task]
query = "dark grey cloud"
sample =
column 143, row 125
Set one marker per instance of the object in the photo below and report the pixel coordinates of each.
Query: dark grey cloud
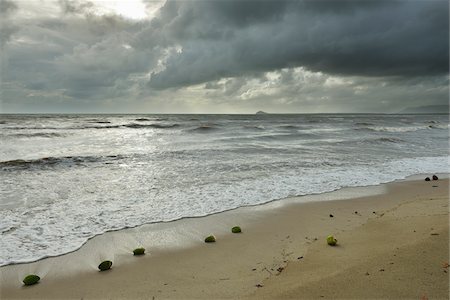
column 365, row 38
column 7, row 7
column 7, row 28
column 76, row 7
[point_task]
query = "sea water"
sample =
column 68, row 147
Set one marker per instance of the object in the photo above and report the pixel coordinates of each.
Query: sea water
column 67, row 178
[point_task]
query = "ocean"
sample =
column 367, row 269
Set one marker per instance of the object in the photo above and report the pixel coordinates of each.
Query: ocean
column 67, row 178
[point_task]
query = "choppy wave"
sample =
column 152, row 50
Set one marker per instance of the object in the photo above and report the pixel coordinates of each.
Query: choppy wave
column 128, row 125
column 52, row 161
column 204, row 128
column 398, row 128
column 134, row 125
column 289, row 126
column 254, row 127
column 99, row 121
column 364, row 124
column 385, row 140
column 36, row 134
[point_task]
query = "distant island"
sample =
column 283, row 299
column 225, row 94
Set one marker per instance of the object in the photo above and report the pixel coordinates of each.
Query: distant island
column 261, row 112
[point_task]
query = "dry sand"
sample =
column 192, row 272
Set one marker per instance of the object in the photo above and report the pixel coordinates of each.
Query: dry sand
column 400, row 251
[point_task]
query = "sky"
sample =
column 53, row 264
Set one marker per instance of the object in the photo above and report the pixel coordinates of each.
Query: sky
column 217, row 56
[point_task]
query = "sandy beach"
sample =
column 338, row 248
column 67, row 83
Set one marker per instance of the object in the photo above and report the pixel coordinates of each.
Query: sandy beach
column 391, row 244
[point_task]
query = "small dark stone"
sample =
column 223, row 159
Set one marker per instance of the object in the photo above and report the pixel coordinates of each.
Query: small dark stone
column 435, row 177
column 356, row 212
column 381, row 270
column 331, row 216
column 367, row 273
column 300, row 257
column 427, row 179
column 259, row 285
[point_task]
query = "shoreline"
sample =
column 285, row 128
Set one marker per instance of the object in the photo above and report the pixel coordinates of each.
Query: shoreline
column 262, row 225
column 345, row 192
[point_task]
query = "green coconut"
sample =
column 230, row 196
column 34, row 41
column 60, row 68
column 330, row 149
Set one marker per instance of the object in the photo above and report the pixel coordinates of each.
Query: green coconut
column 106, row 265
column 236, row 229
column 331, row 240
column 139, row 251
column 210, row 239
column 31, row 279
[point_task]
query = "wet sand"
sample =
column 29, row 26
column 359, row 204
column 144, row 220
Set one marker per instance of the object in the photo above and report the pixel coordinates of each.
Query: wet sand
column 390, row 245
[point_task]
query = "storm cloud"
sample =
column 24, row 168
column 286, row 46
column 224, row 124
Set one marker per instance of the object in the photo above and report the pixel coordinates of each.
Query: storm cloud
column 219, row 39
column 224, row 56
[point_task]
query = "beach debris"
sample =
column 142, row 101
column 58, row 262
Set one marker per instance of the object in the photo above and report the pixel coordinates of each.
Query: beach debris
column 367, row 274
column 254, row 269
column 331, row 240
column 139, row 251
column 445, row 265
column 434, row 233
column 280, row 269
column 31, row 279
column 105, row 265
column 331, row 216
column 236, row 229
column 356, row 212
column 259, row 285
column 210, row 239
column 300, row 257
column 435, row 177
column 265, row 268
column 434, row 186
column 427, row 179
column 381, row 270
